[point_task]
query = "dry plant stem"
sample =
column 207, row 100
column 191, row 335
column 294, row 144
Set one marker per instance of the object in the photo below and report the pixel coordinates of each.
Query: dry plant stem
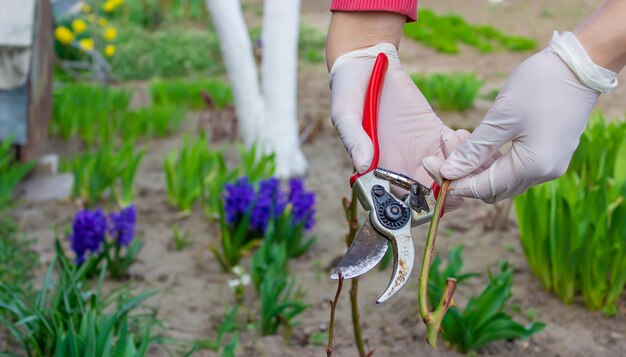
column 331, row 325
column 350, row 209
column 433, row 319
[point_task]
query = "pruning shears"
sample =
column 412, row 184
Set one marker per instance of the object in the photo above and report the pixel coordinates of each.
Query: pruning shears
column 390, row 218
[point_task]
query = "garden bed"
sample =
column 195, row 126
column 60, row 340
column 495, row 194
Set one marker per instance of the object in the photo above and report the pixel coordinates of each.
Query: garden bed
column 193, row 292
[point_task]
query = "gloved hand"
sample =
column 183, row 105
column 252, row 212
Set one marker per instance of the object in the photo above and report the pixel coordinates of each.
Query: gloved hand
column 408, row 129
column 542, row 110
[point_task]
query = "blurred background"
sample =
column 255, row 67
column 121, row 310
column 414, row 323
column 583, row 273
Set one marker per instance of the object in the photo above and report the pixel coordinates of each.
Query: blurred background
column 135, row 205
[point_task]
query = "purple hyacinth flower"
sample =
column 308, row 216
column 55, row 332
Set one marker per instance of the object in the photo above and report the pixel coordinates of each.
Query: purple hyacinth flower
column 269, row 203
column 123, row 225
column 303, row 203
column 237, row 199
column 88, row 233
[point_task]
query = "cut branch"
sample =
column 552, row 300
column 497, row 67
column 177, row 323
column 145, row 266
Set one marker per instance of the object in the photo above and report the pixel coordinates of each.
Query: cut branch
column 331, row 324
column 433, row 319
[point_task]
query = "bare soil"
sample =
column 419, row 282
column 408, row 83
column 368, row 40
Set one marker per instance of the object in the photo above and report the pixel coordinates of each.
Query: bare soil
column 193, row 290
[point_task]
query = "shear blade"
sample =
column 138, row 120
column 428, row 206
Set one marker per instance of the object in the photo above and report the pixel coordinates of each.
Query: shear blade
column 367, row 249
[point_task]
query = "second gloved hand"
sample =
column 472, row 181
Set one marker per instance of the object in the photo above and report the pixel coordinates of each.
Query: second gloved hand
column 408, row 129
column 542, row 111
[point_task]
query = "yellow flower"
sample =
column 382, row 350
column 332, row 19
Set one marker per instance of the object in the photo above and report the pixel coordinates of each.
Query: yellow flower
column 117, row 2
column 86, row 44
column 86, row 8
column 63, row 35
column 102, row 21
column 109, row 50
column 110, row 33
column 109, row 6
column 79, row 26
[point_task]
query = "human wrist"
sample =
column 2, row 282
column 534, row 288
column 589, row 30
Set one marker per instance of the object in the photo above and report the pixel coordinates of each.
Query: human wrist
column 603, row 35
column 351, row 31
column 572, row 52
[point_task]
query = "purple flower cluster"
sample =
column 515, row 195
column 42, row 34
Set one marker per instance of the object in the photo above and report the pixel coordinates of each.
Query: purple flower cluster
column 237, row 199
column 88, row 233
column 90, row 227
column 303, row 203
column 268, row 202
column 123, row 225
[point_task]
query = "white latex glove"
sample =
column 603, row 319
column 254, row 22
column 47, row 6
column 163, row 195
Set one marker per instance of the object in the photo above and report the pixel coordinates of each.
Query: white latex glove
column 408, row 129
column 542, row 111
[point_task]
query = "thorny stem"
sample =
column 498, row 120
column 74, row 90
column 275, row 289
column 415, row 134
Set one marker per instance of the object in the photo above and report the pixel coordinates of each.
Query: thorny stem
column 433, row 319
column 331, row 325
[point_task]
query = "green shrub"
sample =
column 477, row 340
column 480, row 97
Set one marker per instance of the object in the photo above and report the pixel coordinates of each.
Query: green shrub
column 456, row 91
column 91, row 113
column 67, row 318
column 190, row 93
column 572, row 229
column 11, row 173
column 484, row 319
column 445, row 32
column 166, row 53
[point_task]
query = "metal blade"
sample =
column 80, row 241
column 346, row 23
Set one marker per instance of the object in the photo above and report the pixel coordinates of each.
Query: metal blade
column 367, row 249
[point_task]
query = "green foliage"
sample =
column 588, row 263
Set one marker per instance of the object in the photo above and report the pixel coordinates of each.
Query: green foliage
column 11, row 173
column 17, row 260
column 572, row 229
column 256, row 165
column 270, row 276
column 445, row 32
column 484, row 319
column 282, row 231
column 311, row 45
column 227, row 326
column 89, row 112
column 443, row 91
column 235, row 242
column 185, row 170
column 152, row 14
column 181, row 240
column 190, row 93
column 279, row 303
column 166, row 53
column 66, row 318
column 213, row 185
column 106, row 171
column 155, row 121
column 99, row 114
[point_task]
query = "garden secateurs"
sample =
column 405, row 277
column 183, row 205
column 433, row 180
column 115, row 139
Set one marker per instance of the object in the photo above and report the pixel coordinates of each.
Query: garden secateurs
column 390, row 219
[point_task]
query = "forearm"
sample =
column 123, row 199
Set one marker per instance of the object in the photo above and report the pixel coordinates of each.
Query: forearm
column 350, row 31
column 603, row 35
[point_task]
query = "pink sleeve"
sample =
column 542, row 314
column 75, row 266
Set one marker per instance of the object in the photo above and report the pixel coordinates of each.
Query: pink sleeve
column 404, row 7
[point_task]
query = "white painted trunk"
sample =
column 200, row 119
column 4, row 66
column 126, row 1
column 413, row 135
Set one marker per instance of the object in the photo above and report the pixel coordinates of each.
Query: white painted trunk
column 270, row 118
column 240, row 65
column 279, row 72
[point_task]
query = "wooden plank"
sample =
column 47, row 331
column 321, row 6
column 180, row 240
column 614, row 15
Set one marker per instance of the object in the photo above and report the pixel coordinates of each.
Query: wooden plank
column 40, row 83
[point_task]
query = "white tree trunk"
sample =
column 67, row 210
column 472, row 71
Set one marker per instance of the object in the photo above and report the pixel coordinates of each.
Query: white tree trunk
column 279, row 72
column 270, row 118
column 240, row 65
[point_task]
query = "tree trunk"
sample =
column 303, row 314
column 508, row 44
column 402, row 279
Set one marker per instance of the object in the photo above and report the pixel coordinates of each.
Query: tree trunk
column 240, row 65
column 279, row 72
column 268, row 118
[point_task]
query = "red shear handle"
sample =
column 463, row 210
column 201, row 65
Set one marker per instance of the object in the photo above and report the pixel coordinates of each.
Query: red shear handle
column 370, row 109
